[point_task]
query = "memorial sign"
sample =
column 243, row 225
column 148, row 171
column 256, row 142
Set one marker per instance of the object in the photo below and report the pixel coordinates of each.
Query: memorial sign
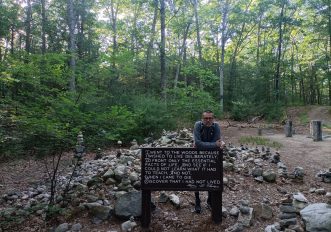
column 181, row 169
column 187, row 169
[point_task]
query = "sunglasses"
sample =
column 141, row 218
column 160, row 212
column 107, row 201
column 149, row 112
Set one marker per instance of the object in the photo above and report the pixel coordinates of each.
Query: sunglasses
column 208, row 118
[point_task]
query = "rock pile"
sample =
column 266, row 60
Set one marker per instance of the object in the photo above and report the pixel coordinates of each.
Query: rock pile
column 325, row 175
column 109, row 185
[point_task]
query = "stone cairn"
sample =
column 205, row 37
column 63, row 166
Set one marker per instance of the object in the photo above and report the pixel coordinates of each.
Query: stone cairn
column 325, row 175
column 80, row 148
column 287, row 212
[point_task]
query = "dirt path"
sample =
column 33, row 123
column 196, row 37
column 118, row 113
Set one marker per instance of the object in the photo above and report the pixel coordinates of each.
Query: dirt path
column 300, row 150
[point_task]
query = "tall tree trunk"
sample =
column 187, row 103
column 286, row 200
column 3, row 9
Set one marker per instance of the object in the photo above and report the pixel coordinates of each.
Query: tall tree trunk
column 81, row 28
column 28, row 27
column 113, row 17
column 72, row 49
column 43, row 26
column 150, row 46
column 12, row 29
column 197, row 28
column 134, row 32
column 162, row 51
column 233, row 66
column 292, row 75
column 224, row 24
column 279, row 51
column 181, row 52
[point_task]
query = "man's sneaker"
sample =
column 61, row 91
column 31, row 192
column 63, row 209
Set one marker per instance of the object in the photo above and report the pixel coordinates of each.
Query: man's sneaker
column 197, row 208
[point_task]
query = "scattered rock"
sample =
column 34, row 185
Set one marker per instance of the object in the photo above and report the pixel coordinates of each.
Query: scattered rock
column 269, row 176
column 62, row 228
column 317, row 217
column 128, row 205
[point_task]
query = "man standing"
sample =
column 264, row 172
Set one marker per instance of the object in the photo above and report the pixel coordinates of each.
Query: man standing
column 207, row 135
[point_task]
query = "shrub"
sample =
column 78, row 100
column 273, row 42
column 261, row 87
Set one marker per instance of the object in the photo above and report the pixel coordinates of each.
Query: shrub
column 188, row 103
column 152, row 116
column 241, row 110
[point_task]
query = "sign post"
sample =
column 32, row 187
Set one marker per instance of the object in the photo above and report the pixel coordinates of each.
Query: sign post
column 181, row 169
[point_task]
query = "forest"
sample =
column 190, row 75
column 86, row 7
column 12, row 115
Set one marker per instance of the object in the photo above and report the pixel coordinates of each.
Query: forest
column 128, row 69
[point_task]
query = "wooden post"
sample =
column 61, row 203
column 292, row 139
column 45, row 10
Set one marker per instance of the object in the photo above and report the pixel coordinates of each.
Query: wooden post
column 288, row 128
column 316, row 130
column 216, row 206
column 259, row 131
column 146, row 209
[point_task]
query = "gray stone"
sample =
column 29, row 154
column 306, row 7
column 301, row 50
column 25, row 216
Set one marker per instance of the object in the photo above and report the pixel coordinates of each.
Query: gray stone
column 76, row 227
column 244, row 209
column 257, row 171
column 299, row 205
column 133, row 177
column 227, row 166
column 119, row 172
column 224, row 212
column 163, row 198
column 287, row 215
column 263, row 211
column 269, row 176
column 296, row 228
column 246, row 219
column 110, row 181
column 320, row 191
column 128, row 225
column 271, row 228
column 289, row 230
column 317, row 217
column 287, row 209
column 238, row 227
column 287, row 222
column 94, row 181
column 328, row 198
column 165, row 140
column 174, row 199
column 108, row 174
column 300, row 197
column 62, row 228
column 259, row 179
column 128, row 205
column 234, row 211
column 102, row 212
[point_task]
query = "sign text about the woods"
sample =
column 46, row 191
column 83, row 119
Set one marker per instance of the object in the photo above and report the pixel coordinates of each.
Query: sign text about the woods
column 181, row 169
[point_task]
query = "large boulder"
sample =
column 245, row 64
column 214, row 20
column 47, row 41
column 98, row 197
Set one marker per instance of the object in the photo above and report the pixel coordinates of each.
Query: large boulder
column 128, row 205
column 317, row 217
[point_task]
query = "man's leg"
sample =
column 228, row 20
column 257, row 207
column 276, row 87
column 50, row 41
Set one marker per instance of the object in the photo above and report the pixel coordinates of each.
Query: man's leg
column 197, row 203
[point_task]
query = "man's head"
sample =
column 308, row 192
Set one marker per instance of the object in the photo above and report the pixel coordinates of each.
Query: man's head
column 208, row 118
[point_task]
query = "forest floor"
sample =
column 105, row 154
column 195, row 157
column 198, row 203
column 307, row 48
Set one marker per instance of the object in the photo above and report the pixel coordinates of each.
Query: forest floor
column 299, row 150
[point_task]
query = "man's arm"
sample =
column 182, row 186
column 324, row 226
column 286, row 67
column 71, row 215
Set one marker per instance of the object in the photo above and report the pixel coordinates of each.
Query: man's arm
column 217, row 136
column 197, row 137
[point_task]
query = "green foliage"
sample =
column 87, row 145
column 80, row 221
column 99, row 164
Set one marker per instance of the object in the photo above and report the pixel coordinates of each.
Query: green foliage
column 303, row 118
column 187, row 103
column 241, row 110
column 273, row 112
column 104, row 128
column 261, row 141
column 153, row 116
column 207, row 78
